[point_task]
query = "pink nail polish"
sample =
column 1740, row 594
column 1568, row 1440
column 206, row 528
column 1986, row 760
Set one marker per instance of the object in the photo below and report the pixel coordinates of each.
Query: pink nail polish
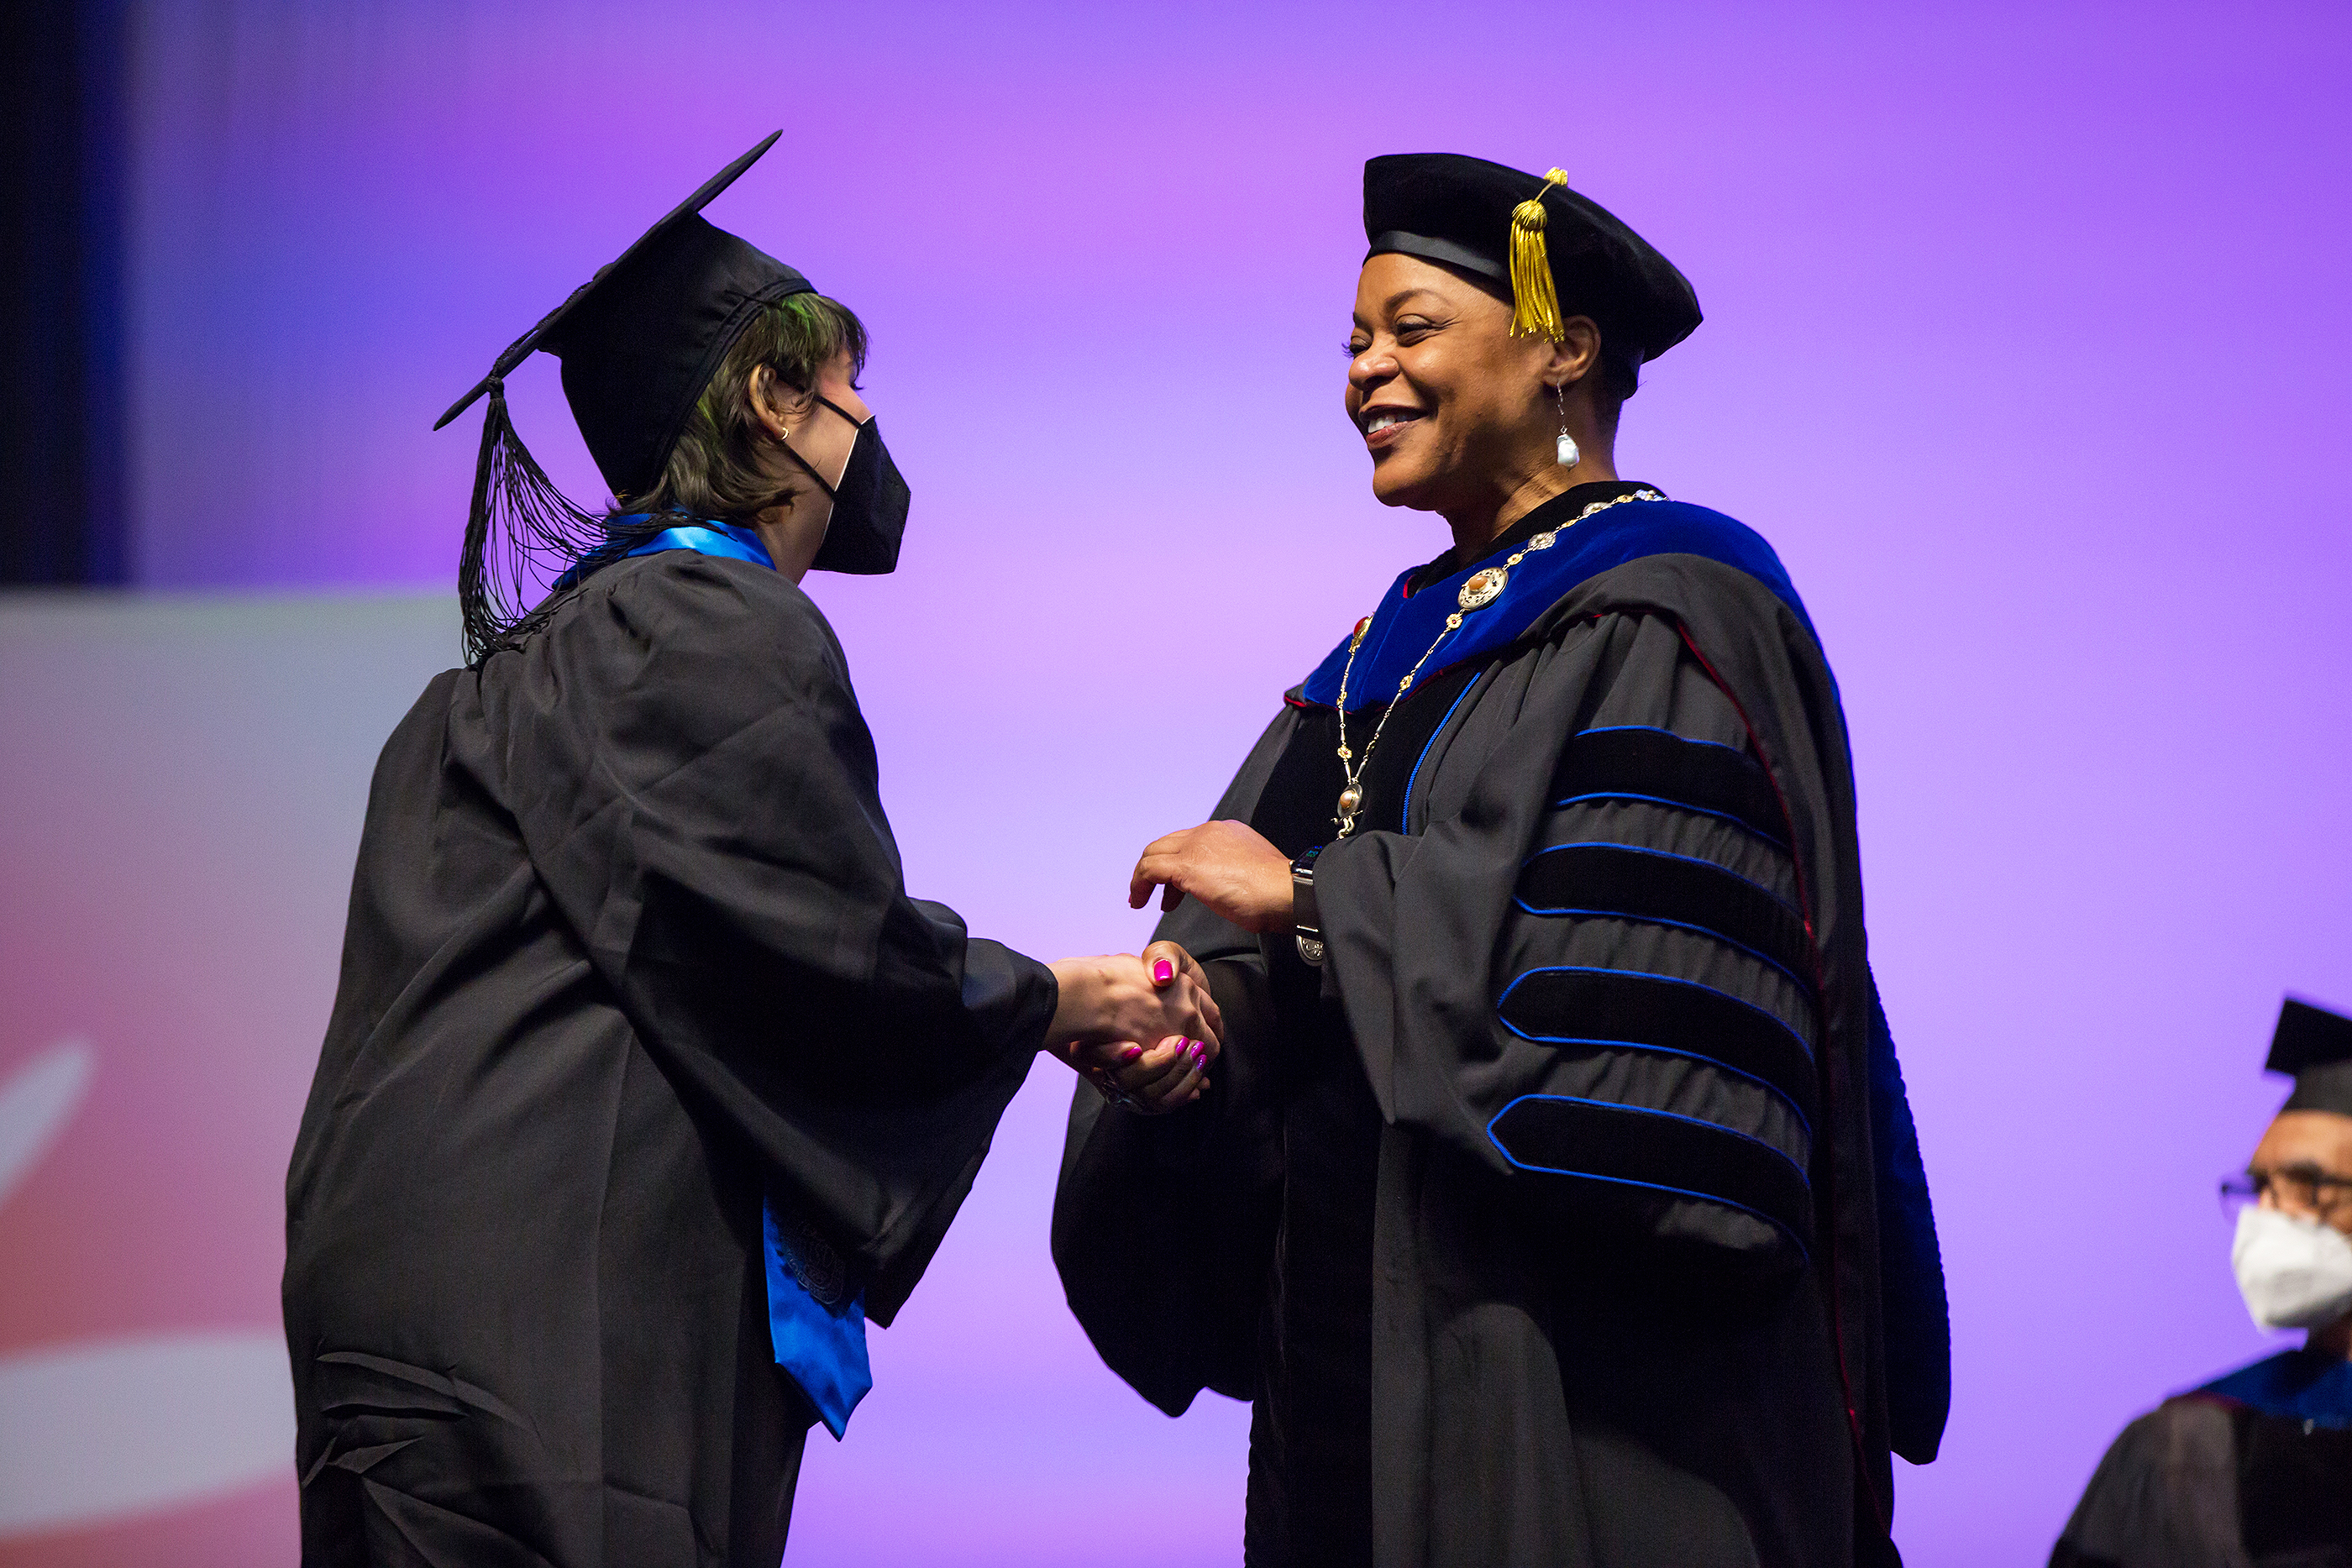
column 1162, row 972
column 1130, row 1053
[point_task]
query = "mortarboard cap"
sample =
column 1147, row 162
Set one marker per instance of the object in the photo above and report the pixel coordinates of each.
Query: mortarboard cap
column 1552, row 253
column 639, row 342
column 2313, row 1046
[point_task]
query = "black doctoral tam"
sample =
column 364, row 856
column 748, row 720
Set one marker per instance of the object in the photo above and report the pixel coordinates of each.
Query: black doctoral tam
column 2314, row 1047
column 1554, row 253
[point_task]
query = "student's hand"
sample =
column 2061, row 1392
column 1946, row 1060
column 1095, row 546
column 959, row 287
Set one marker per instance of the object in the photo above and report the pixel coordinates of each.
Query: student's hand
column 1110, row 1006
column 1225, row 865
column 1157, row 1080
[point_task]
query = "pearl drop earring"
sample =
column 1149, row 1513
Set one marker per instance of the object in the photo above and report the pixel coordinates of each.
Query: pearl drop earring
column 1568, row 451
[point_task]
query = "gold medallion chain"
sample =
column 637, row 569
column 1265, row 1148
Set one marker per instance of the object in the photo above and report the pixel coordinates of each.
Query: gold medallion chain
column 1482, row 590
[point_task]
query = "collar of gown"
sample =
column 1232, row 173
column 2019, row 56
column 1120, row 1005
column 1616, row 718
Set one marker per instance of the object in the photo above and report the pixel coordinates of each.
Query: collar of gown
column 706, row 537
column 1411, row 614
column 2294, row 1385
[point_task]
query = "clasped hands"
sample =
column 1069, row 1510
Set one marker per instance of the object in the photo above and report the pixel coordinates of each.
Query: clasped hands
column 1110, row 1006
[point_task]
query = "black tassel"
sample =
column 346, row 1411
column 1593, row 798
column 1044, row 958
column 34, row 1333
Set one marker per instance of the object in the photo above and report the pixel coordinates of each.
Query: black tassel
column 521, row 534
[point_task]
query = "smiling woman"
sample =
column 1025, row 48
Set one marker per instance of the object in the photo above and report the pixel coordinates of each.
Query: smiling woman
column 1478, row 400
column 1559, row 1203
column 1463, row 417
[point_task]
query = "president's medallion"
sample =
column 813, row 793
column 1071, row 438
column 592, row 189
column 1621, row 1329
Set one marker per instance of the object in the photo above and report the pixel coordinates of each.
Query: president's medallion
column 1483, row 587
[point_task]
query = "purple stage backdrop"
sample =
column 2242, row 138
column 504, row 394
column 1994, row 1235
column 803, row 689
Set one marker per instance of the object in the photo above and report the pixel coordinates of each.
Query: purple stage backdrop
column 2026, row 337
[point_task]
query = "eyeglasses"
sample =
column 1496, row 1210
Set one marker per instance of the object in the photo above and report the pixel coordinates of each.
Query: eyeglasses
column 2299, row 1189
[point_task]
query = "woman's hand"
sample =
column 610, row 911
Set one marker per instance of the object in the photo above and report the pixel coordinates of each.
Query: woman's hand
column 1225, row 865
column 1110, row 1006
column 1168, row 1077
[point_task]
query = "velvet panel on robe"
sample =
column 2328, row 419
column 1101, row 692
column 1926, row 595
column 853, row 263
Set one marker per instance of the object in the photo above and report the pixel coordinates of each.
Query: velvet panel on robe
column 1611, row 992
column 628, row 947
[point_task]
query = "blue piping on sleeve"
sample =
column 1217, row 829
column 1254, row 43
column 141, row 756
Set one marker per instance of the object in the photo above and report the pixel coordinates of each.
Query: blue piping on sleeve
column 1628, row 1181
column 1774, row 1090
column 1668, row 979
column 1802, row 983
column 1670, row 1117
column 1663, row 855
column 1743, row 826
column 1661, row 729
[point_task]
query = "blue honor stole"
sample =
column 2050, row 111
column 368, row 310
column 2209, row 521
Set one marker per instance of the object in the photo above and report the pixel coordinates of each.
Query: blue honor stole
column 816, row 1325
column 713, row 538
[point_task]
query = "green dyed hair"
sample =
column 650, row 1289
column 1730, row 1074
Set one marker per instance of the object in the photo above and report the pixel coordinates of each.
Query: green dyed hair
column 723, row 464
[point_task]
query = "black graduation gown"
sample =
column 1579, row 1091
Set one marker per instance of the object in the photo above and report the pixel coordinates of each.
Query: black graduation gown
column 1640, row 1181
column 628, row 947
column 2254, row 1470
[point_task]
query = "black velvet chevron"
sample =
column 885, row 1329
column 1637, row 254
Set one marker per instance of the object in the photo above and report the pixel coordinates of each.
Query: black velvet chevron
column 1635, row 762
column 1655, row 1149
column 1658, row 1012
column 1679, row 890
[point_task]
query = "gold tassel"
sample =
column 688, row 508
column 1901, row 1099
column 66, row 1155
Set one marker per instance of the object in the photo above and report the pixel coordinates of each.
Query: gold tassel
column 1535, row 306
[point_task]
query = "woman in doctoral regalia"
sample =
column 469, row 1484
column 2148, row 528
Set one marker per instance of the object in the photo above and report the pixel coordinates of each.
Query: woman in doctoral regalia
column 648, row 1083
column 1557, row 1201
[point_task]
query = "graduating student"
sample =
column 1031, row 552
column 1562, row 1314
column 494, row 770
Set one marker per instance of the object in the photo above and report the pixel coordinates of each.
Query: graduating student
column 1557, row 1201
column 2255, row 1468
column 648, row 1083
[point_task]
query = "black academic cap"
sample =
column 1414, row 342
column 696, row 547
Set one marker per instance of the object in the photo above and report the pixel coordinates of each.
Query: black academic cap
column 2314, row 1047
column 1551, row 252
column 640, row 340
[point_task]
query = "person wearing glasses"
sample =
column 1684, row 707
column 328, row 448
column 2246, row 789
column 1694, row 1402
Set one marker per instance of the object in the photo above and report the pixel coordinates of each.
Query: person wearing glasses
column 2255, row 1468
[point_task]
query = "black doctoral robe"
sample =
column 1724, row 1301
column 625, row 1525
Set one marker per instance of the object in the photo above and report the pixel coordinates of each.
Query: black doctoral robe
column 628, row 949
column 2253, row 1471
column 1565, row 1216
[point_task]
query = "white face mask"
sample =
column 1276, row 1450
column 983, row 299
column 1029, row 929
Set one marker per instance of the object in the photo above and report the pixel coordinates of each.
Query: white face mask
column 2294, row 1273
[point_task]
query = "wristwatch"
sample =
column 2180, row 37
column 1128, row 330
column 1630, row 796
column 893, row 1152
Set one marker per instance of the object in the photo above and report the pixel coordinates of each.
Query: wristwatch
column 1303, row 917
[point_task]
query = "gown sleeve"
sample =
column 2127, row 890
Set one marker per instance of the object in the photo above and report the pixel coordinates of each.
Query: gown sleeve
column 1590, row 970
column 697, row 793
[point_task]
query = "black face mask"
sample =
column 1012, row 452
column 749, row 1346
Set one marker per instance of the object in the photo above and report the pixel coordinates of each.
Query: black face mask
column 869, row 505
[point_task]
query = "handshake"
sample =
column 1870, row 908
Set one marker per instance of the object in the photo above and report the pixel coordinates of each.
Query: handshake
column 1143, row 1030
